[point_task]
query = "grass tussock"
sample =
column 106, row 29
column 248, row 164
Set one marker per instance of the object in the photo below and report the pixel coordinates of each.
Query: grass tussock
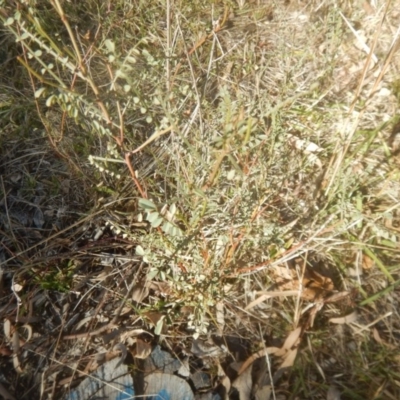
column 185, row 170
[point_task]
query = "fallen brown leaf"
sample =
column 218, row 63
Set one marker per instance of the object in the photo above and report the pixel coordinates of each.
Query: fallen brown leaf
column 244, row 384
column 312, row 287
column 268, row 295
column 285, row 351
column 143, row 349
column 346, row 319
column 289, row 359
column 255, row 356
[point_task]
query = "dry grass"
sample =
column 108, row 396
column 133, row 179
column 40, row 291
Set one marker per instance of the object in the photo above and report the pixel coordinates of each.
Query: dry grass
column 264, row 197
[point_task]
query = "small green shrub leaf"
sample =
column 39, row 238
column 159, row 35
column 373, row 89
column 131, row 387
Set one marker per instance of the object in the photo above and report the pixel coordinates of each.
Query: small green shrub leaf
column 155, row 219
column 24, row 36
column 9, row 22
column 388, row 243
column 159, row 326
column 139, row 251
column 152, row 216
column 157, row 222
column 49, row 101
column 110, row 45
column 147, row 204
column 171, row 229
column 39, row 92
column 152, row 274
column 130, row 59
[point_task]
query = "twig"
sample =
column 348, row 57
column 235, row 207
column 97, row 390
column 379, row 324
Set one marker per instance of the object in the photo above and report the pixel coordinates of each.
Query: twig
column 214, row 172
column 133, row 175
column 56, row 4
column 151, row 139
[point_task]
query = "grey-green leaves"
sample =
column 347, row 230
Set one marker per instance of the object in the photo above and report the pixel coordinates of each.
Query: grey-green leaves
column 164, row 217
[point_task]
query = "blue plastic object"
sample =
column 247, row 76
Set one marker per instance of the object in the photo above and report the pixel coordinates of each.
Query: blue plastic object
column 159, row 386
column 110, row 381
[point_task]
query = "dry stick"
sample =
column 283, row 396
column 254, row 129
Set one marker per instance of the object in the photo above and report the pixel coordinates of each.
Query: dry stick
column 36, row 74
column 395, row 46
column 133, row 175
column 296, row 317
column 120, row 142
column 261, row 353
column 56, row 4
column 214, row 172
column 121, row 138
column 152, row 138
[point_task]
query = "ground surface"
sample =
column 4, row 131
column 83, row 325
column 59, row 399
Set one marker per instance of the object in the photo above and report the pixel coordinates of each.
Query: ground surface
column 217, row 179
